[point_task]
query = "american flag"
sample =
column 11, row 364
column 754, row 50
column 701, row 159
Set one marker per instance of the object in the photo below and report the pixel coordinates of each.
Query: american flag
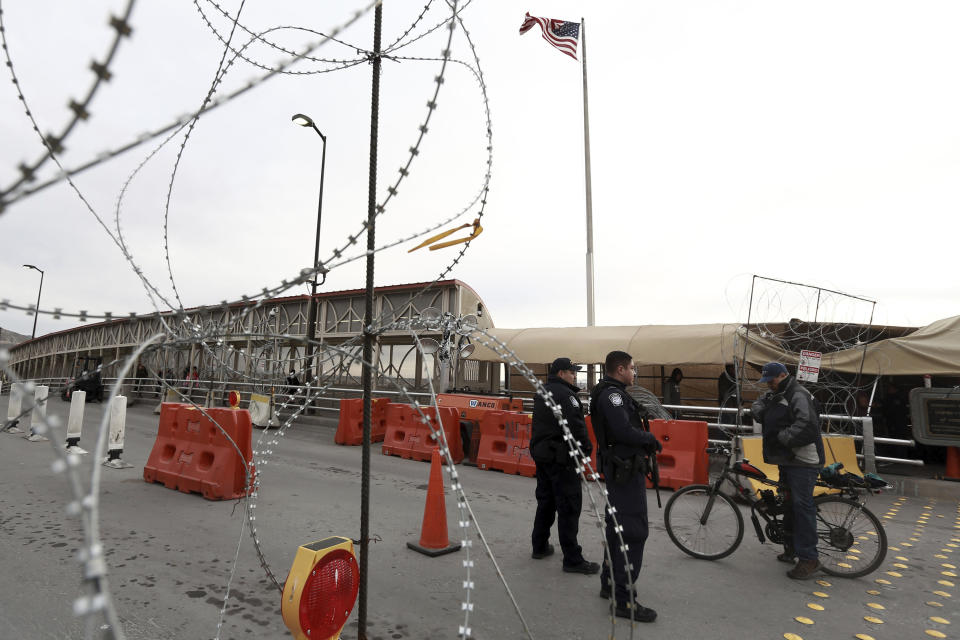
column 561, row 34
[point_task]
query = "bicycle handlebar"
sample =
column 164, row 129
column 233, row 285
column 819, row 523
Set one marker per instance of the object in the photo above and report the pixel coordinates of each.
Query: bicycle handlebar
column 718, row 449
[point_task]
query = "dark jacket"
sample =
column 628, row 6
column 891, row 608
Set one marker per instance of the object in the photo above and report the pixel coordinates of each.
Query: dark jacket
column 791, row 426
column 546, row 439
column 617, row 422
column 671, row 391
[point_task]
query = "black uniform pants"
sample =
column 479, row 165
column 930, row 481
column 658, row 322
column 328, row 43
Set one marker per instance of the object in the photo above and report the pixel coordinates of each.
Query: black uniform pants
column 558, row 495
column 630, row 501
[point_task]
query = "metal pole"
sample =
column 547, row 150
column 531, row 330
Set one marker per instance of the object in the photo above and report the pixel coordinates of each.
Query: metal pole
column 586, row 166
column 869, row 451
column 591, row 369
column 312, row 311
column 741, row 366
column 37, row 313
column 368, row 333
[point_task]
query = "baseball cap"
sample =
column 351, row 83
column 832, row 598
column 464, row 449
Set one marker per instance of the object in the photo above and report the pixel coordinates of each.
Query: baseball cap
column 563, row 364
column 771, row 370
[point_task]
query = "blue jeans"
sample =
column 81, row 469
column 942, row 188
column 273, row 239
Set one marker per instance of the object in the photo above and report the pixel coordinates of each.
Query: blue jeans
column 800, row 517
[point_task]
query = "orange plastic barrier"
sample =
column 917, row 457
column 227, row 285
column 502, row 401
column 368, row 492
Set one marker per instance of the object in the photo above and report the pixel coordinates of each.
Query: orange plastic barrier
column 350, row 426
column 953, row 464
column 594, row 460
column 401, row 425
column 472, row 407
column 505, row 443
column 408, row 437
column 684, row 459
column 191, row 454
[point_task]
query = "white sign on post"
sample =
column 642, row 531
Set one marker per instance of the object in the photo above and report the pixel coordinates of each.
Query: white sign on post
column 809, row 368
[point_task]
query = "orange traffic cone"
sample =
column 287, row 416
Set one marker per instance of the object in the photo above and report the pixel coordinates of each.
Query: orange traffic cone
column 953, row 464
column 434, row 540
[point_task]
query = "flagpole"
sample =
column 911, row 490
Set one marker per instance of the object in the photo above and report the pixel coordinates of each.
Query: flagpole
column 589, row 189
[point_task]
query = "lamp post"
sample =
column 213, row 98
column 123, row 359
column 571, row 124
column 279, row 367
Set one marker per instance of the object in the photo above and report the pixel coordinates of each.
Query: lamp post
column 39, row 291
column 306, row 121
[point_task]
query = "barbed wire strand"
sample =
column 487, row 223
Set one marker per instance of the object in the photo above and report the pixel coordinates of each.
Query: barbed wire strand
column 81, row 110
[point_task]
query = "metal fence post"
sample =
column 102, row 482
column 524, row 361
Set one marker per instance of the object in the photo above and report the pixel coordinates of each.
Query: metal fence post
column 869, row 454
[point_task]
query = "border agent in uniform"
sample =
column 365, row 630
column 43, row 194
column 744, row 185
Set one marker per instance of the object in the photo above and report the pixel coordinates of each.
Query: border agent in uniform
column 623, row 446
column 558, row 483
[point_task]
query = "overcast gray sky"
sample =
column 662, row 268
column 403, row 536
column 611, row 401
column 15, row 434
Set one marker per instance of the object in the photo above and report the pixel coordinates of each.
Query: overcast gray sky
column 816, row 142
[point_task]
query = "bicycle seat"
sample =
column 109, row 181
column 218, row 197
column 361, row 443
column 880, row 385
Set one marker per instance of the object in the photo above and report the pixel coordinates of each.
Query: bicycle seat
column 745, row 468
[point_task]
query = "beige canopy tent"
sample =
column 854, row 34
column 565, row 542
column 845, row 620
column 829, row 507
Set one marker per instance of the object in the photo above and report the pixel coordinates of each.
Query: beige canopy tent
column 648, row 344
column 934, row 349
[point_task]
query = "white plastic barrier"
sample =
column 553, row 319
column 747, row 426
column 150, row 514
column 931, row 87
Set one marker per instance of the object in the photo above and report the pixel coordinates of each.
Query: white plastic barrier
column 37, row 428
column 259, row 407
column 171, row 395
column 118, row 424
column 14, row 408
column 78, row 401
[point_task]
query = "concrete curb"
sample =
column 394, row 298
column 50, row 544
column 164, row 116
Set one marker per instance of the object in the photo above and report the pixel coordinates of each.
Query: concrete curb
column 923, row 487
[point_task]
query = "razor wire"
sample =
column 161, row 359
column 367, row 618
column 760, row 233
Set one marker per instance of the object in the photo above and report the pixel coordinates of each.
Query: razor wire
column 58, row 312
column 106, row 155
column 346, row 354
column 787, row 318
column 583, row 466
column 337, row 254
column 259, row 37
column 80, row 109
column 281, row 68
column 85, row 504
column 217, row 77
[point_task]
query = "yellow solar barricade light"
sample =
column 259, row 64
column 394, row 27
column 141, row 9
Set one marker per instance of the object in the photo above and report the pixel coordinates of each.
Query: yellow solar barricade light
column 321, row 589
column 477, row 230
column 233, row 398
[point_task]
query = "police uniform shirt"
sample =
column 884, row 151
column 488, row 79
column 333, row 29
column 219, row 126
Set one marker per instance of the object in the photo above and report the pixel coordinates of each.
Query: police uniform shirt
column 620, row 416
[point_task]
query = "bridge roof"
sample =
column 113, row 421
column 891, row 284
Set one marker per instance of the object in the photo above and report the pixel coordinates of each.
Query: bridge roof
column 412, row 286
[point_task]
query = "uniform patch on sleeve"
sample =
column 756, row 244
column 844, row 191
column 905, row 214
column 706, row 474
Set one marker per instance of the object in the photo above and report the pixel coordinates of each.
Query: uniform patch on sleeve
column 573, row 401
column 616, row 399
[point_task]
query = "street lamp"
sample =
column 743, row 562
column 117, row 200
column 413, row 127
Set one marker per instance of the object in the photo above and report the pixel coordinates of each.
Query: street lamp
column 306, row 121
column 39, row 291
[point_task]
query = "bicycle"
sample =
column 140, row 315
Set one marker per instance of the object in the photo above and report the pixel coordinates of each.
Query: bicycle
column 706, row 523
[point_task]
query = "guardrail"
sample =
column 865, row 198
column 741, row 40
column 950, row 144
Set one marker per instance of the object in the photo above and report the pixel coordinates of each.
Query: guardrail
column 198, row 390
column 868, row 440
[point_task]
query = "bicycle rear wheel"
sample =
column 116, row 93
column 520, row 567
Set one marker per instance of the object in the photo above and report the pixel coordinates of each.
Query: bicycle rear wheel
column 850, row 539
column 716, row 537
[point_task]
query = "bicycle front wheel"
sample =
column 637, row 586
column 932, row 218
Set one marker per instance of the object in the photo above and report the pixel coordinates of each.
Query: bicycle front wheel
column 703, row 524
column 850, row 539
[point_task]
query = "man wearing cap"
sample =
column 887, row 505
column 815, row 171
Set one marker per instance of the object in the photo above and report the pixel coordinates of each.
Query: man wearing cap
column 558, row 483
column 791, row 440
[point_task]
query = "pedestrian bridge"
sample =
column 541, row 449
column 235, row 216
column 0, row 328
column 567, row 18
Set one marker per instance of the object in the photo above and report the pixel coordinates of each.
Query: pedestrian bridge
column 260, row 341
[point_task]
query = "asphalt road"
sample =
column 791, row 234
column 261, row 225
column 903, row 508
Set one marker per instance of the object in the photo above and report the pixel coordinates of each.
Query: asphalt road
column 170, row 555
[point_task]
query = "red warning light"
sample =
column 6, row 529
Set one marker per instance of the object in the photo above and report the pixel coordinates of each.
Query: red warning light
column 234, row 399
column 329, row 594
